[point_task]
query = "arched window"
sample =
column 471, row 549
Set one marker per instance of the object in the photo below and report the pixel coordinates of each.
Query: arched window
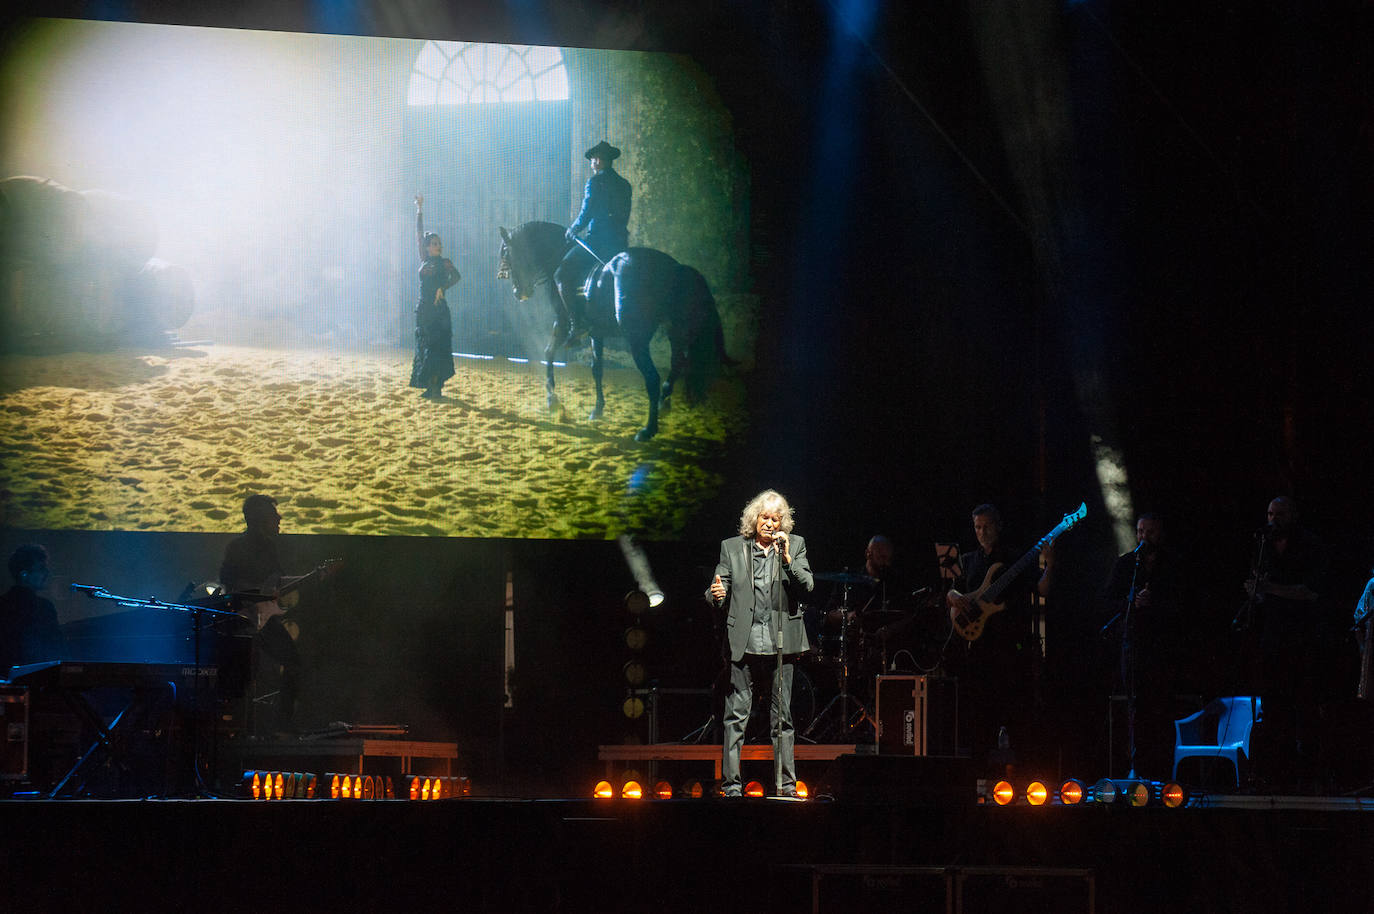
column 465, row 73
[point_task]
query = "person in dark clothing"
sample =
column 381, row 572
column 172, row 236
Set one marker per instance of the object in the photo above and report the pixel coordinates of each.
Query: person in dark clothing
column 433, row 363
column 252, row 570
column 1143, row 600
column 995, row 673
column 1289, row 634
column 605, row 215
column 1287, row 577
column 29, row 632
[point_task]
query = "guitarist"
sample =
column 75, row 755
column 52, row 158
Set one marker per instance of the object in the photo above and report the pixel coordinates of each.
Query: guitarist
column 252, row 566
column 997, row 669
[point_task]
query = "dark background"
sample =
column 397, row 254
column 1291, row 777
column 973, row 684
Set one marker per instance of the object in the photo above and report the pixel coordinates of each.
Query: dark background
column 982, row 237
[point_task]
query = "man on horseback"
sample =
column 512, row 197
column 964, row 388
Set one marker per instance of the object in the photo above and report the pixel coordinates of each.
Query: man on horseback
column 605, row 215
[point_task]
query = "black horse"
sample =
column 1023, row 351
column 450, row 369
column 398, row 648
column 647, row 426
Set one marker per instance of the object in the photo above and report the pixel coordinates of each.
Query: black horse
column 631, row 295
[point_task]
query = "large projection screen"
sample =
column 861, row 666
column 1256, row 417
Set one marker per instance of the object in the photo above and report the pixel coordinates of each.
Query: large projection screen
column 210, row 275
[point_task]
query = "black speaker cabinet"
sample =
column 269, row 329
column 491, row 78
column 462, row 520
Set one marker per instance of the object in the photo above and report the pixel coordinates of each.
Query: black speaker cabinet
column 917, row 715
column 14, row 733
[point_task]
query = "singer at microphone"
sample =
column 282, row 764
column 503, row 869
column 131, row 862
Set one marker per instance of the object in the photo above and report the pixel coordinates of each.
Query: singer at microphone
column 758, row 590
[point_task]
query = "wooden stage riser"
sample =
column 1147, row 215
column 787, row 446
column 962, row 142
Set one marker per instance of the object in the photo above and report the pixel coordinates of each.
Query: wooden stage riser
column 356, row 756
column 814, row 761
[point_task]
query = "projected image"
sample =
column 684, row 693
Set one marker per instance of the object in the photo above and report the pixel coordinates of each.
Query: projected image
column 405, row 287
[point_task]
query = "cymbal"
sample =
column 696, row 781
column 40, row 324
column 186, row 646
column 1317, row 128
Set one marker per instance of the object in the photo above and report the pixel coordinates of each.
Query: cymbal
column 844, row 577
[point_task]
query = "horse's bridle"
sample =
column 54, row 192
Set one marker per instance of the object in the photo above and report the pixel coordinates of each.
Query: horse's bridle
column 506, row 270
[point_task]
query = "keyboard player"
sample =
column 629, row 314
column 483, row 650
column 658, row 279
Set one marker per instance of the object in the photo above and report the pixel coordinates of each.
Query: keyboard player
column 28, row 622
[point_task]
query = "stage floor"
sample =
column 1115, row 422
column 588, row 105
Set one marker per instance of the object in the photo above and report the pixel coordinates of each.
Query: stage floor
column 751, row 855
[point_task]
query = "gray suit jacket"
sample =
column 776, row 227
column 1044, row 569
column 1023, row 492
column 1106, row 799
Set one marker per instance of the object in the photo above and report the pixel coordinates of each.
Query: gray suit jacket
column 736, row 565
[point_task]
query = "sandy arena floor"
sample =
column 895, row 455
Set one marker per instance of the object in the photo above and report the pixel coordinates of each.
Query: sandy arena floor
column 174, row 441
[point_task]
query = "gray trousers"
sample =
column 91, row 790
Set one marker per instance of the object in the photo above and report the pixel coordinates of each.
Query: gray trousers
column 743, row 676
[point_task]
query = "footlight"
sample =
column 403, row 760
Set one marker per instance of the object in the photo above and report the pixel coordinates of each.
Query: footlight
column 1137, row 793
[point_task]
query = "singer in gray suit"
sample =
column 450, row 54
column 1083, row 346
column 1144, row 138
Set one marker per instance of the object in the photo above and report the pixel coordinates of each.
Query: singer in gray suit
column 760, row 575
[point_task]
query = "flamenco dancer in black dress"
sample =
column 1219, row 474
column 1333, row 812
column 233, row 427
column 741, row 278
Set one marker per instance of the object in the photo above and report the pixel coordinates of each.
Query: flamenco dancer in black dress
column 433, row 363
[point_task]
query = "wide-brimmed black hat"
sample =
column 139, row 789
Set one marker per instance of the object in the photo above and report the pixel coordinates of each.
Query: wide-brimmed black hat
column 603, row 150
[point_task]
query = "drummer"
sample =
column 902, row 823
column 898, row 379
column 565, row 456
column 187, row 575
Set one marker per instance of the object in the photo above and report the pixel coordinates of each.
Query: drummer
column 878, row 557
column 863, row 599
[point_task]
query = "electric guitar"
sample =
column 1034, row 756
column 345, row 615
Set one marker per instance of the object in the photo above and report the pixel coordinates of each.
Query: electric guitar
column 968, row 612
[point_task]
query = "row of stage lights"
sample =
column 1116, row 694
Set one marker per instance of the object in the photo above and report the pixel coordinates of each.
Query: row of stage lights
column 632, row 789
column 1073, row 792
column 297, row 785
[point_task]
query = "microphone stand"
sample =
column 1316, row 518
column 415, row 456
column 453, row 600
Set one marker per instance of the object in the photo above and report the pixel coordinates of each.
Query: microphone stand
column 779, row 601
column 1128, row 664
column 1245, row 616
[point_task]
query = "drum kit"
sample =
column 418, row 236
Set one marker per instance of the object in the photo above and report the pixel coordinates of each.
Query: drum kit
column 858, row 632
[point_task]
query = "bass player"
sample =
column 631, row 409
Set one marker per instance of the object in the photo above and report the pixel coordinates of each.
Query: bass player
column 996, row 671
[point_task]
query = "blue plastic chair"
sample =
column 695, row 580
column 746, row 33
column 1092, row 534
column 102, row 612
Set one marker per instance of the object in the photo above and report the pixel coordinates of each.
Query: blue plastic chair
column 1220, row 730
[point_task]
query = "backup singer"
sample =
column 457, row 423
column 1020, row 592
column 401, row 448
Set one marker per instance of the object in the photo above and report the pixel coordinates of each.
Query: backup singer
column 759, row 578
